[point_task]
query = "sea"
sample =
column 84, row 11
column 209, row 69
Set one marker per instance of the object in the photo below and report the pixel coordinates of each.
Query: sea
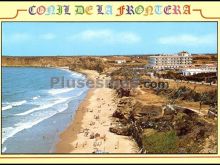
column 34, row 112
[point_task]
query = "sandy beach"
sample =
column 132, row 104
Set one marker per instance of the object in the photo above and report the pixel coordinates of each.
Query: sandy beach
column 89, row 130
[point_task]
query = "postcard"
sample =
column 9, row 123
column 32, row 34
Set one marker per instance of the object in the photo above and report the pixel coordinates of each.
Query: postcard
column 103, row 81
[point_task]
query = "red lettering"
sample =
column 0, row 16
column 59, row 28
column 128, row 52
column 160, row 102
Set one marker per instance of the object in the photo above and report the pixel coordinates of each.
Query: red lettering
column 41, row 10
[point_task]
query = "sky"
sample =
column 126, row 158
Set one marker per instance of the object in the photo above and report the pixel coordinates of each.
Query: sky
column 107, row 38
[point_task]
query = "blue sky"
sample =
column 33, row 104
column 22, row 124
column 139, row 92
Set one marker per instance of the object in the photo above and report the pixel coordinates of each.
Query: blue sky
column 107, row 38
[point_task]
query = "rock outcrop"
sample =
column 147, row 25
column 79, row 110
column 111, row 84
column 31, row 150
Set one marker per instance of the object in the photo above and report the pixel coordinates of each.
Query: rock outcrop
column 134, row 117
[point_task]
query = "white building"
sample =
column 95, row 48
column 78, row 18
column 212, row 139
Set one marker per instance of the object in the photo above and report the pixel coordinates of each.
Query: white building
column 188, row 72
column 182, row 59
column 120, row 61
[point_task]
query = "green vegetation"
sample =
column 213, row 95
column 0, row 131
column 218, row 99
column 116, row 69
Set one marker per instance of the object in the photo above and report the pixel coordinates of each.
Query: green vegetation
column 125, row 73
column 161, row 142
column 188, row 145
column 169, row 75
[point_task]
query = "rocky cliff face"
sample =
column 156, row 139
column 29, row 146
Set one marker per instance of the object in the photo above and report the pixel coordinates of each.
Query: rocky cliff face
column 37, row 61
column 175, row 130
column 74, row 63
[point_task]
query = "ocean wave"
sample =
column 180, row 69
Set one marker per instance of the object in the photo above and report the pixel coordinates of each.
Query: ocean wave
column 6, row 107
column 9, row 132
column 75, row 74
column 6, row 133
column 59, row 91
column 10, row 105
column 18, row 103
column 35, row 97
column 48, row 105
column 78, row 75
column 4, row 149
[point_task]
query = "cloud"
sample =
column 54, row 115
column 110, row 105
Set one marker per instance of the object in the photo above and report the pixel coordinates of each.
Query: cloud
column 188, row 39
column 26, row 37
column 95, row 34
column 107, row 36
column 129, row 37
column 100, row 35
column 17, row 37
column 48, row 36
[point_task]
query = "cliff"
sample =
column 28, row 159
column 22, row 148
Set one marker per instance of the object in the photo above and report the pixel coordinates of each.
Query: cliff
column 74, row 63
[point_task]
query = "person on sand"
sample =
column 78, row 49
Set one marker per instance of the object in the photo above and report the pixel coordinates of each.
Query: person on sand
column 103, row 137
column 76, row 145
column 84, row 144
column 117, row 145
column 86, row 134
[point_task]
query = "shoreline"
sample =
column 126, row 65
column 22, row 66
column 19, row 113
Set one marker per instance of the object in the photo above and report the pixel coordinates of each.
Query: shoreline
column 77, row 137
column 57, row 121
column 63, row 144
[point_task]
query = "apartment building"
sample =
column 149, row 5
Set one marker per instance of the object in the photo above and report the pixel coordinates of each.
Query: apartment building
column 180, row 60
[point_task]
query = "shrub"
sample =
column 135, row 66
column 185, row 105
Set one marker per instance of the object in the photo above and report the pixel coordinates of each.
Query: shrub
column 161, row 142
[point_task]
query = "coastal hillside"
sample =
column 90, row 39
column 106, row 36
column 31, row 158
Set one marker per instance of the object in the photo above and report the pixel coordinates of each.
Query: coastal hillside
column 203, row 59
column 178, row 119
column 45, row 61
column 94, row 63
column 74, row 63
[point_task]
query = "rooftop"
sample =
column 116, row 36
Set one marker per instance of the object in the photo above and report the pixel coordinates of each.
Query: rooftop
column 180, row 54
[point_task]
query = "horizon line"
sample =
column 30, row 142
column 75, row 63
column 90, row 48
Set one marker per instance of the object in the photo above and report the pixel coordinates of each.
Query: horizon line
column 102, row 55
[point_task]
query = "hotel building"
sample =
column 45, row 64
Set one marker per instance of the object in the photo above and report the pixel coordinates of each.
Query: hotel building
column 180, row 60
